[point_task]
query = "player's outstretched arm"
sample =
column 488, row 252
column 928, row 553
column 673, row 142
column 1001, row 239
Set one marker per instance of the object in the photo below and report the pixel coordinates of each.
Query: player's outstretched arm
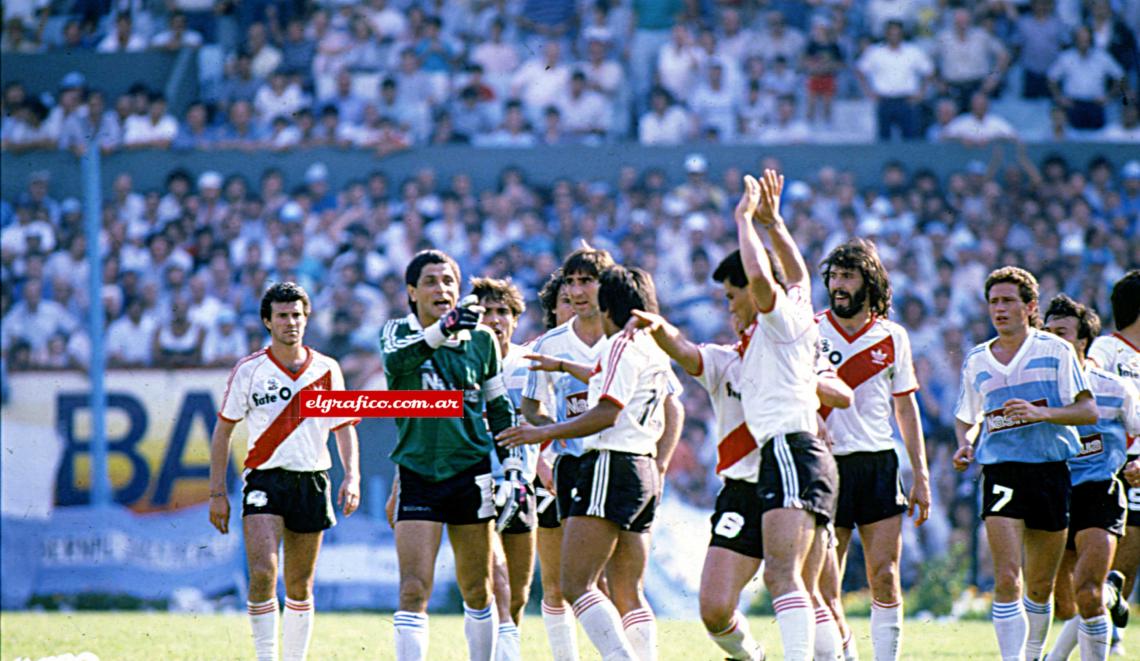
column 756, row 266
column 347, row 446
column 670, row 338
column 601, row 416
column 783, row 245
column 219, row 460
column 405, row 349
column 671, row 435
column 910, row 426
column 580, row 371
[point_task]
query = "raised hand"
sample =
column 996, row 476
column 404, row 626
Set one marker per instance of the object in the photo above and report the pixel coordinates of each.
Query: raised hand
column 749, row 200
column 771, row 188
column 640, row 319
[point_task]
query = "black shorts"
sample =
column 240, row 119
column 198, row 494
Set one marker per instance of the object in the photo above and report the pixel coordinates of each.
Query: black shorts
column 525, row 521
column 546, row 506
column 736, row 520
column 1035, row 493
column 464, row 498
column 566, row 482
column 1132, row 511
column 870, row 488
column 1097, row 504
column 302, row 498
column 619, row 487
column 797, row 471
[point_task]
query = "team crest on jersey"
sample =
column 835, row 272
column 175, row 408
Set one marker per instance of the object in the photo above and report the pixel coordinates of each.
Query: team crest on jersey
column 272, row 384
column 256, row 499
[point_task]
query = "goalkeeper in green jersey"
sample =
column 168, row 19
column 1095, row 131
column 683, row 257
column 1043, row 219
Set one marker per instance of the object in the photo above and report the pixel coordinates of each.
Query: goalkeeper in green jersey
column 443, row 473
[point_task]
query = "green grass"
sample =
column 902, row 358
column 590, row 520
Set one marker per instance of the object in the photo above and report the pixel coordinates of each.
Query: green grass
column 149, row 636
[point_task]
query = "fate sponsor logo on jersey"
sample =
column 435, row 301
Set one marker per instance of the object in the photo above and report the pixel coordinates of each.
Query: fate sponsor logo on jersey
column 998, row 421
column 1091, row 444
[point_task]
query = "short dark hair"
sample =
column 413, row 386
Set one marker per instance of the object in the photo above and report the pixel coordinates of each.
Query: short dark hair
column 1088, row 322
column 1126, row 300
column 622, row 290
column 588, row 261
column 861, row 255
column 731, row 269
column 416, row 267
column 284, row 292
column 503, row 291
column 1026, row 287
column 548, row 297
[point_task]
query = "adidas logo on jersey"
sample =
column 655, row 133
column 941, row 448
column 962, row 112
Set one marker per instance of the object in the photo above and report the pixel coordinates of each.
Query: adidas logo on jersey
column 878, row 356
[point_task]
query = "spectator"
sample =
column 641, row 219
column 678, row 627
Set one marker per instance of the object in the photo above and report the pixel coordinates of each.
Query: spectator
column 410, row 114
column 969, row 59
column 547, row 21
column 894, row 75
column 195, row 133
column 979, row 127
column 1128, row 130
column 879, row 14
column 436, row 55
column 945, row 112
column 541, row 81
column 779, row 40
column 33, row 319
column 665, row 123
column 364, row 53
column 279, row 98
column 414, row 85
column 470, row 116
column 130, row 338
column 1039, row 38
column 264, row 57
column 498, row 58
column 225, row 343
column 16, row 40
column 298, row 51
column 823, row 62
column 786, row 128
column 603, row 75
column 514, row 131
column 239, row 132
column 552, row 132
column 154, row 130
column 349, row 103
column 735, row 41
column 754, row 111
column 714, row 104
column 1079, row 78
column 240, row 84
column 177, row 342
column 123, row 39
column 28, row 129
column 586, row 113
column 781, row 79
column 177, row 35
column 678, row 62
column 1112, row 36
column 96, row 124
column 388, row 23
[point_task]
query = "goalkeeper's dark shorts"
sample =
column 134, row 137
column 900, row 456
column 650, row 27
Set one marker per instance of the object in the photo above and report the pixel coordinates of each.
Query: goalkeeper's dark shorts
column 525, row 521
column 462, row 499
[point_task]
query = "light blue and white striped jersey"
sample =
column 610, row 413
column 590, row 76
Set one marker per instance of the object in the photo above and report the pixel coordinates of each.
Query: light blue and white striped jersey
column 570, row 396
column 515, row 371
column 1104, row 445
column 1044, row 372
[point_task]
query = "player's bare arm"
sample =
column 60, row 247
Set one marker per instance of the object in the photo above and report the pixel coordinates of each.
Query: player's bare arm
column 219, row 460
column 783, row 245
column 591, row 422
column 534, row 411
column 670, row 338
column 833, row 392
column 674, row 421
column 910, row 426
column 752, row 254
column 580, row 371
column 965, row 453
column 348, row 496
column 1081, row 412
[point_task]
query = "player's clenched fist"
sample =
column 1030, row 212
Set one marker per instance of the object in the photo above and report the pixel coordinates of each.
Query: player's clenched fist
column 220, row 513
column 963, row 457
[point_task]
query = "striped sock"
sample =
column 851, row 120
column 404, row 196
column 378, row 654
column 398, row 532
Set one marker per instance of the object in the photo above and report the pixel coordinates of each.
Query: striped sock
column 737, row 641
column 828, row 644
column 481, row 626
column 797, row 625
column 850, row 651
column 1040, row 617
column 603, row 626
column 886, row 629
column 263, row 622
column 1012, row 628
column 561, row 632
column 1092, row 635
column 1066, row 640
column 296, row 629
column 411, row 636
column 507, row 649
column 641, row 631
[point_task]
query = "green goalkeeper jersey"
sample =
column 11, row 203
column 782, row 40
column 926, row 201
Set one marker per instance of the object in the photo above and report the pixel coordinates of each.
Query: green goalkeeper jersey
column 425, row 359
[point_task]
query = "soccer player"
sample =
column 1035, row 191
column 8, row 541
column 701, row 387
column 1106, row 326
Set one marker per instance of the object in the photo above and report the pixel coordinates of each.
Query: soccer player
column 1027, row 390
column 577, row 340
column 618, row 483
column 444, row 466
column 1119, row 353
column 503, row 305
column 736, row 547
column 797, row 481
column 1097, row 506
column 872, row 355
column 287, row 497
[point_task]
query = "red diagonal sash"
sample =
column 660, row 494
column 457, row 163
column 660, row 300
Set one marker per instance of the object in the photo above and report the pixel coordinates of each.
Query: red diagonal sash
column 286, row 423
column 861, row 367
column 734, row 447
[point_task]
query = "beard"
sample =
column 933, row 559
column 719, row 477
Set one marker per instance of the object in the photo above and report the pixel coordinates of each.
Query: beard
column 854, row 303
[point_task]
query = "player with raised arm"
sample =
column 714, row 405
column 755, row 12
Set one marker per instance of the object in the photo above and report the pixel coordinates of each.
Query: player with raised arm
column 798, row 481
column 1028, row 392
column 736, row 547
column 443, row 464
column 872, row 356
column 1098, row 506
column 618, row 483
column 503, row 304
column 287, row 497
column 1119, row 353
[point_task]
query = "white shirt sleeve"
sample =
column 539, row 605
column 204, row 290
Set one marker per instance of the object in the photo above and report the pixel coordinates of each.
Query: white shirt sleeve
column 791, row 314
column 619, row 373
column 1071, row 379
column 234, row 403
column 903, row 381
column 1101, row 354
column 969, row 407
column 1130, row 409
column 713, row 364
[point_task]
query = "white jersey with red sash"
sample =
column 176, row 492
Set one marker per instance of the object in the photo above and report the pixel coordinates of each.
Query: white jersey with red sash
column 1116, row 355
column 264, row 392
column 876, row 363
column 737, row 456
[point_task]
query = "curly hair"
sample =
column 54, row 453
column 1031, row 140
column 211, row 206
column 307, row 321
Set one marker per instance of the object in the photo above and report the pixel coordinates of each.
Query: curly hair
column 1026, row 287
column 503, row 291
column 284, row 292
column 1088, row 322
column 548, row 298
column 862, row 256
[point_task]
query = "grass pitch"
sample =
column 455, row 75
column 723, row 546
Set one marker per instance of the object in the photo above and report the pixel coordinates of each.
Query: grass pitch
column 149, row 636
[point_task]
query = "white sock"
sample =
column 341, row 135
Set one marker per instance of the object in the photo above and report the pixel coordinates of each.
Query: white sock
column 481, row 627
column 508, row 646
column 828, row 644
column 411, row 636
column 1093, row 638
column 263, row 621
column 886, row 630
column 1066, row 640
column 641, row 631
column 1040, row 617
column 737, row 641
column 1012, row 628
column 797, row 625
column 850, row 651
column 296, row 629
column 561, row 632
column 603, row 626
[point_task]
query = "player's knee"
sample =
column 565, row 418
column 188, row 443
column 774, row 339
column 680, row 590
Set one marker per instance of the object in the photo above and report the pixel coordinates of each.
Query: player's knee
column 476, row 593
column 573, row 589
column 885, row 581
column 1007, row 579
column 779, row 579
column 1089, row 595
column 299, row 589
column 262, row 577
column 518, row 602
column 716, row 611
column 414, row 594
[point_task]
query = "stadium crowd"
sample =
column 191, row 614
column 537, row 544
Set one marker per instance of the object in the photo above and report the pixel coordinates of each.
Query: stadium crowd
column 390, row 74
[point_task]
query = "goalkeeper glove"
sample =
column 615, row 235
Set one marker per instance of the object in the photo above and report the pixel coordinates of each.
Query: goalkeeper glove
column 464, row 317
column 512, row 493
